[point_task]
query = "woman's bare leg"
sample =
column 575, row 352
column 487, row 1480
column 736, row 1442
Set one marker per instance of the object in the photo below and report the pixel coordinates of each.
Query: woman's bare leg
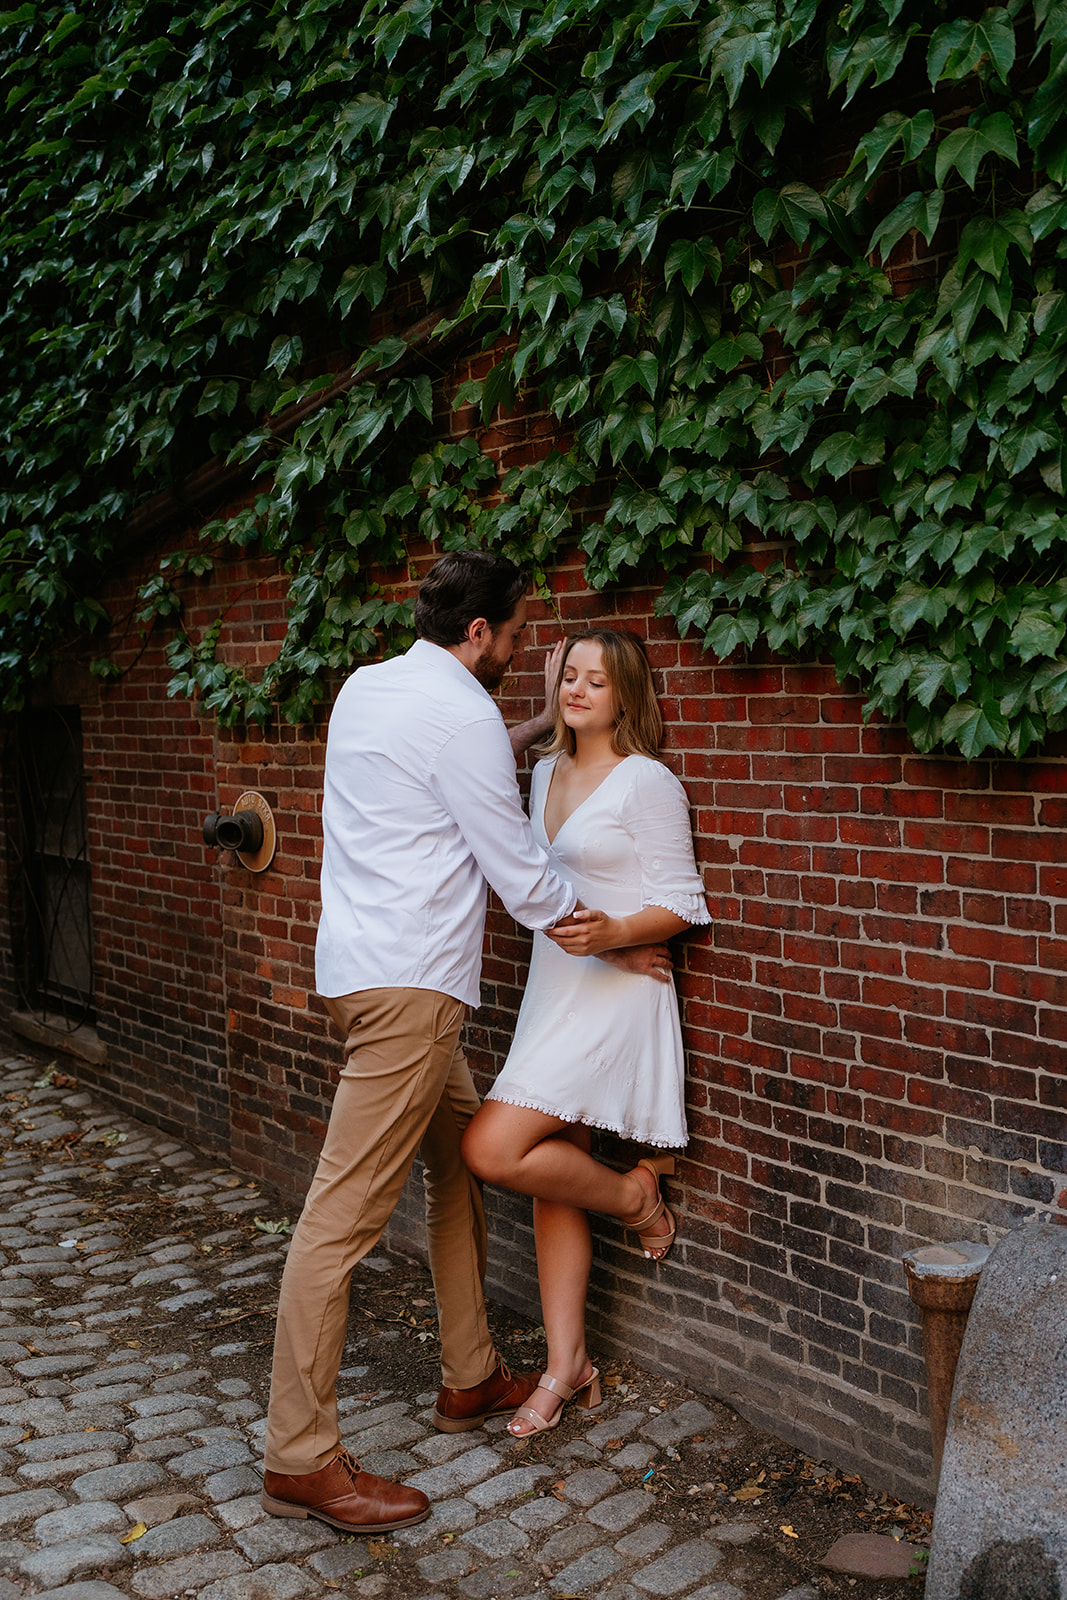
column 564, row 1257
column 515, row 1148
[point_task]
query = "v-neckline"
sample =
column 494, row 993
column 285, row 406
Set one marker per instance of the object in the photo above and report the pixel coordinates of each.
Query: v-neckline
column 581, row 803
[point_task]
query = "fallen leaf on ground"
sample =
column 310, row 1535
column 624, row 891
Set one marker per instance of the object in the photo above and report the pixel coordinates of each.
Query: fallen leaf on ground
column 789, row 1531
column 136, row 1532
column 381, row 1549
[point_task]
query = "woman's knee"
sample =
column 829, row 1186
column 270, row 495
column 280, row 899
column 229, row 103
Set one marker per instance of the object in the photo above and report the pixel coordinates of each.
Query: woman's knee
column 476, row 1148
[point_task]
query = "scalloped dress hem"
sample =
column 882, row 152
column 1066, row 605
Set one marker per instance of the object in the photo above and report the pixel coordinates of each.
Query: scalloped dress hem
column 589, row 1122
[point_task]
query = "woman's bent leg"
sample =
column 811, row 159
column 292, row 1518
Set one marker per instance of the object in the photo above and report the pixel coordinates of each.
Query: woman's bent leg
column 515, row 1148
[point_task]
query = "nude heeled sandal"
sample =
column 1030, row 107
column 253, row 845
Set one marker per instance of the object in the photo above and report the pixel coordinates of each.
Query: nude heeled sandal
column 656, row 1244
column 587, row 1396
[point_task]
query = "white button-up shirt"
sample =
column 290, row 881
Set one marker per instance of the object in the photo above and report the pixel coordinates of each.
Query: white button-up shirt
column 421, row 808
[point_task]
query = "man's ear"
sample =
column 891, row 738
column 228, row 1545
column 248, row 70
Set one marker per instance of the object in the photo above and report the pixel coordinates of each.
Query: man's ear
column 477, row 631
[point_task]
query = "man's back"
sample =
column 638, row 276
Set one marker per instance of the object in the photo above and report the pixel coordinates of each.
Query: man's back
column 420, row 807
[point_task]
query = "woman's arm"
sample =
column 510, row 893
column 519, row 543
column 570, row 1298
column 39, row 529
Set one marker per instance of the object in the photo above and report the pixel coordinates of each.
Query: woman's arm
column 587, row 933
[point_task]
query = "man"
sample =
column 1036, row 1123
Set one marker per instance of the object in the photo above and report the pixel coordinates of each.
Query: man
column 421, row 808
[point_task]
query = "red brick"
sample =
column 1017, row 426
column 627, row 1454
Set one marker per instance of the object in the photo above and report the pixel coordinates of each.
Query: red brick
column 948, row 970
column 869, row 834
column 939, row 1034
column 992, row 1077
column 903, row 996
column 1014, row 844
column 882, row 802
column 998, row 946
column 998, row 877
column 897, row 866
column 872, row 958
column 1042, row 987
column 935, row 774
column 901, row 898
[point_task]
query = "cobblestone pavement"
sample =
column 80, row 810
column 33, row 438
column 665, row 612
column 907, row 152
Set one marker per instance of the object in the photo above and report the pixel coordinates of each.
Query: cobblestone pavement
column 135, row 1293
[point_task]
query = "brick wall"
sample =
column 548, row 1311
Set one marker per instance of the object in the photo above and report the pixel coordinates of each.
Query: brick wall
column 874, row 1028
column 875, row 1023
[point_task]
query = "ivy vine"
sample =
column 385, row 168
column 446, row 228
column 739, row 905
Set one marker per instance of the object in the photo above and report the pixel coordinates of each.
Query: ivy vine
column 789, row 276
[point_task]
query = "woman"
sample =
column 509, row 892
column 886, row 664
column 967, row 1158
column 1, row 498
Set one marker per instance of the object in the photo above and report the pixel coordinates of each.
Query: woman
column 596, row 1046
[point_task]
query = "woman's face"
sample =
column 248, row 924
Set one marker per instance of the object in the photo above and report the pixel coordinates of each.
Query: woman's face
column 586, row 697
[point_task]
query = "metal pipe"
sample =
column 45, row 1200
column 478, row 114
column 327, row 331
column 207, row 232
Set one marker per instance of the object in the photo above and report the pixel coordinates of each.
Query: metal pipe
column 942, row 1279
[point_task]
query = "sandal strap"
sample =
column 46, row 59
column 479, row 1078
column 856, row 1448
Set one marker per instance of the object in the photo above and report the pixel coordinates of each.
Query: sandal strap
column 653, row 1216
column 556, row 1385
column 528, row 1414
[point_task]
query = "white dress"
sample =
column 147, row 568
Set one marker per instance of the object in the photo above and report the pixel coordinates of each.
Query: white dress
column 594, row 1044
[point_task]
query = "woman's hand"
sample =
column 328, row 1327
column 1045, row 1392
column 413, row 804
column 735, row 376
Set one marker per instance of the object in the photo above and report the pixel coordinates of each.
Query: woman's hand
column 587, row 933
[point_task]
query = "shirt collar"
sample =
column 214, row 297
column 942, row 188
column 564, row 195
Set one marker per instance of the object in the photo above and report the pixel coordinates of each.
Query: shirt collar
column 438, row 659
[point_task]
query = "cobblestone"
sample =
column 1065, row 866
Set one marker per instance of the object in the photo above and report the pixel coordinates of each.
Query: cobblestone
column 58, row 1563
column 684, row 1565
column 76, row 1522
column 589, row 1571
column 126, row 1416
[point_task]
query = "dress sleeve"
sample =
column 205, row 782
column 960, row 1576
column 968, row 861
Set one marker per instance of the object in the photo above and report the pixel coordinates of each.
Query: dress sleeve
column 656, row 813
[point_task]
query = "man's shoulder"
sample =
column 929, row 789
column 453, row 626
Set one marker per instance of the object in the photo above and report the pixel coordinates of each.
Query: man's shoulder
column 423, row 688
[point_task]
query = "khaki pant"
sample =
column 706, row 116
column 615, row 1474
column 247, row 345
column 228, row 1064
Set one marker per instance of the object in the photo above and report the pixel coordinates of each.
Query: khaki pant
column 405, row 1087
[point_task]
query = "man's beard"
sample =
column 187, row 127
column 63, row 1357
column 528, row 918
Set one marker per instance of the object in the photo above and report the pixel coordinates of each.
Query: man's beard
column 490, row 671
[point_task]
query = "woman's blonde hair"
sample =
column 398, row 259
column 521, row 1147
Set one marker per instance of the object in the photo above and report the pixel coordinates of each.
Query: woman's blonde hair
column 638, row 729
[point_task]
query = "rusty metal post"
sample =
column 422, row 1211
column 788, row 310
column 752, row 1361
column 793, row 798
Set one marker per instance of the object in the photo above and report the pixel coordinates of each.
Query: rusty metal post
column 942, row 1279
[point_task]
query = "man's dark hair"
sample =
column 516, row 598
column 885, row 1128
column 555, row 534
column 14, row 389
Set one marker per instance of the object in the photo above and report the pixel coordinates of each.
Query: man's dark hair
column 465, row 585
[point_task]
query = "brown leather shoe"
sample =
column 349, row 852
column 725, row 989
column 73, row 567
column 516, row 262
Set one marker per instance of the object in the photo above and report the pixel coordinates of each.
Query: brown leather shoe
column 459, row 1410
column 345, row 1497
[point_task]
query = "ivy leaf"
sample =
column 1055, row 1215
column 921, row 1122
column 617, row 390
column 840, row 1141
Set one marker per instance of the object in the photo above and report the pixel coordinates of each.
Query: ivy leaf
column 1048, row 112
column 712, row 168
column 693, row 259
column 729, row 631
column 63, row 29
column 627, row 371
column 974, row 727
column 956, row 48
column 219, row 396
column 933, row 674
column 912, row 133
column 542, row 293
column 743, row 49
column 729, row 351
column 876, row 53
column 367, row 282
column 796, row 208
column 630, row 425
column 965, row 148
column 1036, row 633
column 285, row 353
column 1046, row 211
column 838, row 453
column 986, row 242
column 919, row 211
column 914, row 603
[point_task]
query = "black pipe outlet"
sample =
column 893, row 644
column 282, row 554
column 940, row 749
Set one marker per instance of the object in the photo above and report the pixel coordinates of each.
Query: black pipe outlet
column 241, row 831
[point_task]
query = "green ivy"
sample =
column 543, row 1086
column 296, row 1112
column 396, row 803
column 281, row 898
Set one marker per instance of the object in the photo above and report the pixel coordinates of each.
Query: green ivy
column 686, row 230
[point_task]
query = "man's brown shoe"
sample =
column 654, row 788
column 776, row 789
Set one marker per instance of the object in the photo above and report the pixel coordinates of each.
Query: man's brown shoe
column 345, row 1497
column 459, row 1410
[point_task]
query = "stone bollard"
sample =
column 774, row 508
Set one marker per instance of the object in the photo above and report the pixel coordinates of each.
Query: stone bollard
column 942, row 1279
column 1000, row 1524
